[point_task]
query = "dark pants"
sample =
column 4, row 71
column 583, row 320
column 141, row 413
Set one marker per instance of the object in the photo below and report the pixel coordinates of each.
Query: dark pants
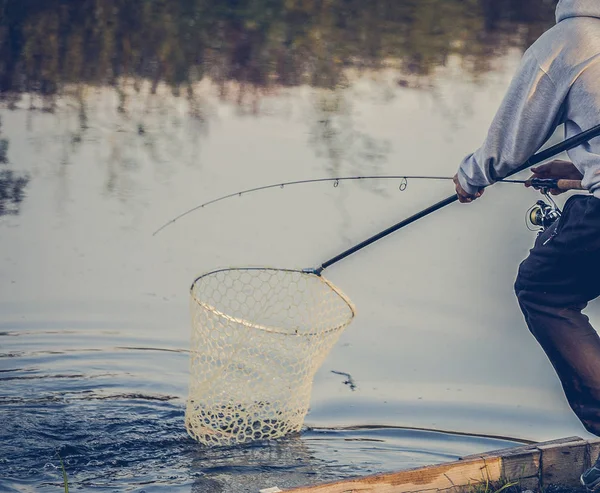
column 555, row 283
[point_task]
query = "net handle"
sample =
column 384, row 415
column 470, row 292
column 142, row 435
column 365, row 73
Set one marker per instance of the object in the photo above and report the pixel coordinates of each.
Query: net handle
column 566, row 145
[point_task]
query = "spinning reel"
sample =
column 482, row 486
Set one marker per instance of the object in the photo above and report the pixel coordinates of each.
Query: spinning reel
column 544, row 213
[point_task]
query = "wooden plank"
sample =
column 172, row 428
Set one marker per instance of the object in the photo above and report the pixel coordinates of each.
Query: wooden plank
column 434, row 478
column 499, row 452
column 563, row 463
column 533, row 466
column 593, row 451
column 522, row 448
column 560, row 441
column 521, row 465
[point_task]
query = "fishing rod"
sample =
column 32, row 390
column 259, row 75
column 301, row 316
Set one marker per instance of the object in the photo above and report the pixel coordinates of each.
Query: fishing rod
column 561, row 184
column 566, row 145
column 336, row 181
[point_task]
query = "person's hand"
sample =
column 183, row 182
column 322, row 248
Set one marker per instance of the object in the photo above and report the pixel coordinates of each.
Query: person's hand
column 463, row 196
column 557, row 169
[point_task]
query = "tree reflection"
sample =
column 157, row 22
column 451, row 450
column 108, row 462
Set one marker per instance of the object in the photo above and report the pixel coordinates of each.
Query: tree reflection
column 12, row 188
column 12, row 185
column 46, row 44
column 148, row 52
column 334, row 136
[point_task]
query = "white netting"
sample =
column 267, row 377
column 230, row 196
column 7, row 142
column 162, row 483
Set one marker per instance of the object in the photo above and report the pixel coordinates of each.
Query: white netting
column 258, row 338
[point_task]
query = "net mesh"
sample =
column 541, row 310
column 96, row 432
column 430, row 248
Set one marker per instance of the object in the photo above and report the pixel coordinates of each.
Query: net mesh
column 258, row 338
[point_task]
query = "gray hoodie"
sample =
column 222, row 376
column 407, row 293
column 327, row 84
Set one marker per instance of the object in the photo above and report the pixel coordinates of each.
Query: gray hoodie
column 557, row 82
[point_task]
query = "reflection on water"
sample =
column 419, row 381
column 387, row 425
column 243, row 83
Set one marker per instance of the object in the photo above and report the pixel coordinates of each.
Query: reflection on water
column 54, row 53
column 12, row 185
column 118, row 115
column 11, row 191
column 259, row 44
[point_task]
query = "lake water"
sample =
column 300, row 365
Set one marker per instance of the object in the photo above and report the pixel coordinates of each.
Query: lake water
column 117, row 116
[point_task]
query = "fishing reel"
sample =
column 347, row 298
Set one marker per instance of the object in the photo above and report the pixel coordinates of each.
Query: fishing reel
column 544, row 213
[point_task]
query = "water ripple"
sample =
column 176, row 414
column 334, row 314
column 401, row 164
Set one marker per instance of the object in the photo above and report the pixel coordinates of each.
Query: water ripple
column 112, row 406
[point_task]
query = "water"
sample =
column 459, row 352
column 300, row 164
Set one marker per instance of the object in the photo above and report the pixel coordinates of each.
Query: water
column 117, row 117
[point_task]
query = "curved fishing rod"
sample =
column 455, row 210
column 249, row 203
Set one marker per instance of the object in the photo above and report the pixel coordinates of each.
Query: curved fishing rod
column 566, row 145
column 336, row 181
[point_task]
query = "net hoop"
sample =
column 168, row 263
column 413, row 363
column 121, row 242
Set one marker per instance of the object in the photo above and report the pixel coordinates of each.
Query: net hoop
column 274, row 330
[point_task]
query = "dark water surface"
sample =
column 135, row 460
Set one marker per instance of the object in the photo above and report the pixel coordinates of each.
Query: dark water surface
column 118, row 115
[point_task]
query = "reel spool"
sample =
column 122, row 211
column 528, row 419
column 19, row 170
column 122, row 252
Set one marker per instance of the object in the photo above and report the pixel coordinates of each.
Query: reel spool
column 543, row 215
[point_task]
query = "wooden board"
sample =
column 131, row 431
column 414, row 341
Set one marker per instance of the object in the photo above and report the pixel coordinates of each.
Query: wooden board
column 434, row 478
column 563, row 464
column 555, row 462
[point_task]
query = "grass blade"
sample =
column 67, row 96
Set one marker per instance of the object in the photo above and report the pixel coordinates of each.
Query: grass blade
column 64, row 473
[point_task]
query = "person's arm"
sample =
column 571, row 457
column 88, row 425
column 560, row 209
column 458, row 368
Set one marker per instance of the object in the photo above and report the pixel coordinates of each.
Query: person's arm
column 528, row 115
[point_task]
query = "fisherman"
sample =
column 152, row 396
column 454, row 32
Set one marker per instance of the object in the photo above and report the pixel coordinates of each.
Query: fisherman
column 557, row 82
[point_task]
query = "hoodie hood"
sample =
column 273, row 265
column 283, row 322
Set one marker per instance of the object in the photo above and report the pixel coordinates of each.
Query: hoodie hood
column 577, row 8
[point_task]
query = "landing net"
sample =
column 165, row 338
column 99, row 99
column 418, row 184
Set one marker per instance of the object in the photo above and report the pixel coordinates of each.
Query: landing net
column 259, row 336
